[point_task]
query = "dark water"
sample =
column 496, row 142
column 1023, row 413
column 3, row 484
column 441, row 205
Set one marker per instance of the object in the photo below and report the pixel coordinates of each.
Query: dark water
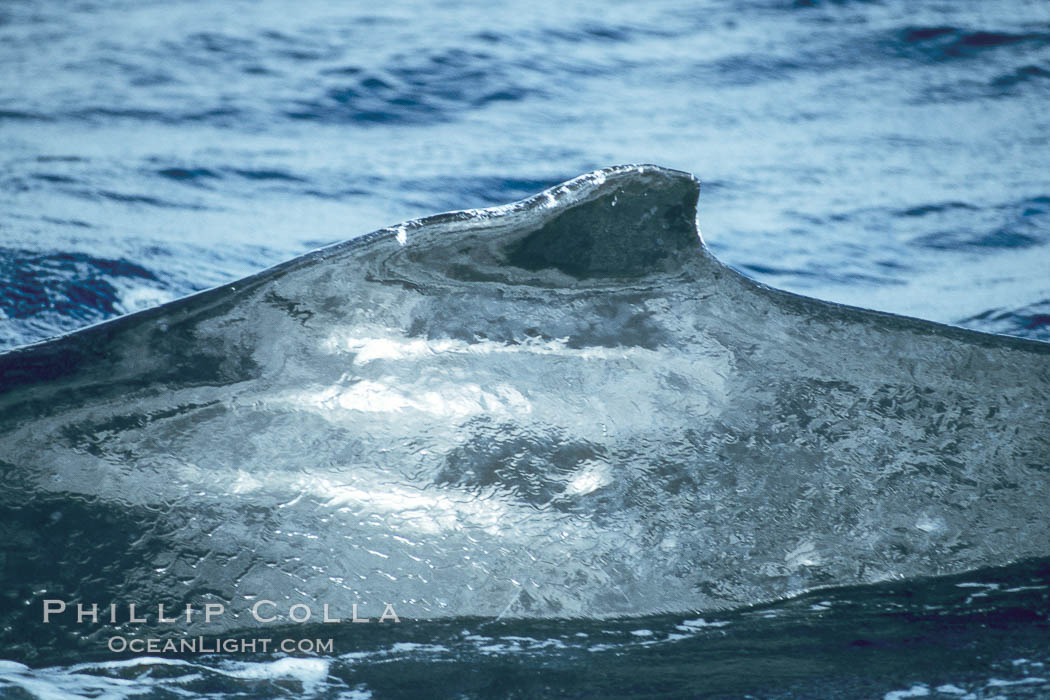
column 982, row 635
column 889, row 155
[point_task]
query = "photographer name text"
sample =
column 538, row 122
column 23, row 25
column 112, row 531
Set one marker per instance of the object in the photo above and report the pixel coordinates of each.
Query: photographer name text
column 262, row 611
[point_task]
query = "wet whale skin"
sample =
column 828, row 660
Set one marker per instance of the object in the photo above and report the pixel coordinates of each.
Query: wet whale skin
column 564, row 407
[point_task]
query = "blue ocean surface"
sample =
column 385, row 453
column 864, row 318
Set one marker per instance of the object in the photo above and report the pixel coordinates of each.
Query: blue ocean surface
column 889, row 155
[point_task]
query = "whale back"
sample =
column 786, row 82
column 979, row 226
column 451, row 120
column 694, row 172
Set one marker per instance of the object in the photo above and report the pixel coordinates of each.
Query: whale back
column 562, row 407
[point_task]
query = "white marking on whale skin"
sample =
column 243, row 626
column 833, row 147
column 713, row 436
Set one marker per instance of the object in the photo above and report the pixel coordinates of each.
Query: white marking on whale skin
column 592, row 476
column 422, row 513
column 367, row 350
column 805, row 554
column 398, row 374
column 383, row 396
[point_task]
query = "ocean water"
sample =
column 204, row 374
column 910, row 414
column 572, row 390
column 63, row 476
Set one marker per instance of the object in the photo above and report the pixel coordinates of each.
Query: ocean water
column 891, row 155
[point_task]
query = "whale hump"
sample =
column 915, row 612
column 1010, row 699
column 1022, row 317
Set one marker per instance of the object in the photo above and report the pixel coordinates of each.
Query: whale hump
column 620, row 223
column 616, row 224
column 560, row 407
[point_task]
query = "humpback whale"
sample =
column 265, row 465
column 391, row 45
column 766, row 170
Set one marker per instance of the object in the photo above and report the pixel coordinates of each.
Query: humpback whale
column 562, row 407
